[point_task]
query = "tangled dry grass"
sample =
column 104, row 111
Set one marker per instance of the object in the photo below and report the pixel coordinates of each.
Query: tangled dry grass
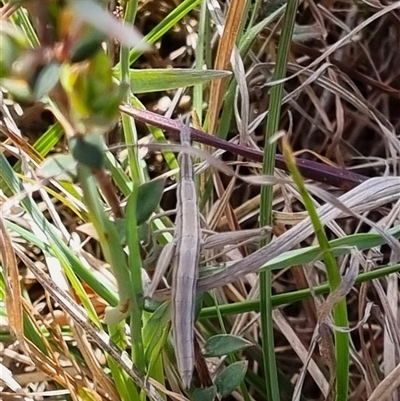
column 341, row 107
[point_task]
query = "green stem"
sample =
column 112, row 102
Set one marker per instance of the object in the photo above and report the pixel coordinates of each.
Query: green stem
column 134, row 260
column 289, row 298
column 128, row 124
column 135, row 267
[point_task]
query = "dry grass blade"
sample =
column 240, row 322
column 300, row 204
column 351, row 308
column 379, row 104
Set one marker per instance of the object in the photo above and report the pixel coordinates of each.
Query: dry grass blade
column 391, row 333
column 357, row 100
column 387, row 386
column 228, row 29
column 340, row 292
column 345, row 39
column 373, row 193
column 228, row 32
column 99, row 376
column 50, row 364
column 7, row 10
column 340, row 100
column 7, row 377
column 299, row 348
column 13, row 289
column 259, row 179
column 163, row 262
column 222, row 205
column 220, row 239
column 101, row 338
column 375, row 189
column 328, row 198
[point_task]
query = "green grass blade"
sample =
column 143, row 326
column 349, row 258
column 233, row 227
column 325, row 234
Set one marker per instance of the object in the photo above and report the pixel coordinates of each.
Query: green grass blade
column 95, row 281
column 270, row 369
column 200, row 57
column 162, row 79
column 165, row 25
column 137, row 175
column 124, row 385
column 21, row 20
column 49, row 139
column 342, row 340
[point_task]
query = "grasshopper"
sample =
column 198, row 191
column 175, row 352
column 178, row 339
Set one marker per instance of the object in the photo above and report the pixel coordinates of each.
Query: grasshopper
column 186, row 257
column 184, row 252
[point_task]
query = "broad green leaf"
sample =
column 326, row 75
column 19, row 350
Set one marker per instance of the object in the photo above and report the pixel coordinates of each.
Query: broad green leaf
column 33, row 333
column 204, row 394
column 88, row 151
column 224, row 344
column 339, row 246
column 155, row 80
column 127, row 390
column 124, row 386
column 148, row 198
column 230, row 378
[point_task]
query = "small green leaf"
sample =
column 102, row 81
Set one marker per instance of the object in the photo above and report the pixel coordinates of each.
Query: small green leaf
column 204, row 394
column 47, row 80
column 61, row 167
column 230, row 378
column 88, row 151
column 154, row 328
column 148, row 198
column 87, row 46
column 224, row 344
column 145, row 81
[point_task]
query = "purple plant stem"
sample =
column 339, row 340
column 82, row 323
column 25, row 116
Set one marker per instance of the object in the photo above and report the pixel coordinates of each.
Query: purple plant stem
column 337, row 177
